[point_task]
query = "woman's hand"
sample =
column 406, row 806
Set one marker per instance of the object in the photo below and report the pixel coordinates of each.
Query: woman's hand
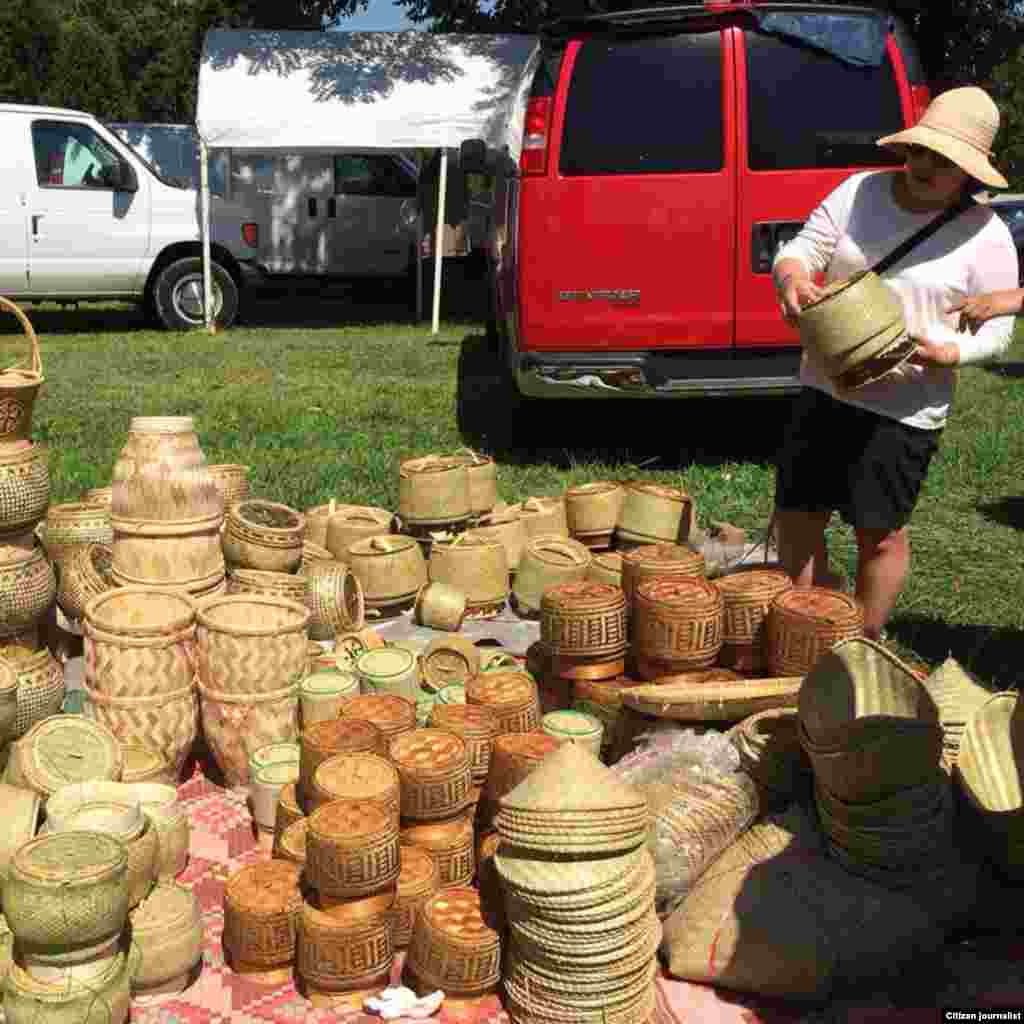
column 935, row 353
column 976, row 310
column 795, row 292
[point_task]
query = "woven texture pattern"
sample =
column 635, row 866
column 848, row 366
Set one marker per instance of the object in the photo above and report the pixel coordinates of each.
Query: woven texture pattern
column 27, row 589
column 118, row 666
column 24, row 488
column 40, row 688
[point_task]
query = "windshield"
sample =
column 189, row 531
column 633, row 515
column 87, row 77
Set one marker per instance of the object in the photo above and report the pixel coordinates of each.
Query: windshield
column 123, row 135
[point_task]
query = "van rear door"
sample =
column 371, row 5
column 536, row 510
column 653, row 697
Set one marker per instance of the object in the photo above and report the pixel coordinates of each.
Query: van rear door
column 627, row 239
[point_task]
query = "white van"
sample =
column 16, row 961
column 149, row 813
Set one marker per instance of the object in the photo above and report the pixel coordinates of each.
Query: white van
column 84, row 217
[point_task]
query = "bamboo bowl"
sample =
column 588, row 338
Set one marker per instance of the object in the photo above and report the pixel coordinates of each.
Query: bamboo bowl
column 263, row 535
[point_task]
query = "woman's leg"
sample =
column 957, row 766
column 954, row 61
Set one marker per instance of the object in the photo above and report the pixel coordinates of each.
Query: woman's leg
column 883, row 560
column 802, row 549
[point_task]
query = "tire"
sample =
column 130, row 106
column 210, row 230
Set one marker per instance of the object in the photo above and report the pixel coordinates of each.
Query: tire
column 178, row 295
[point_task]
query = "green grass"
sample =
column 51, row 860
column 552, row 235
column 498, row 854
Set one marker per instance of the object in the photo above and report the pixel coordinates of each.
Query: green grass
column 323, row 397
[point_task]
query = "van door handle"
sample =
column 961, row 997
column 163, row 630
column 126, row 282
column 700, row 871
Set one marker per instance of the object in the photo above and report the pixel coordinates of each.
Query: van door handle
column 765, row 239
column 36, row 218
column 332, row 207
column 311, row 205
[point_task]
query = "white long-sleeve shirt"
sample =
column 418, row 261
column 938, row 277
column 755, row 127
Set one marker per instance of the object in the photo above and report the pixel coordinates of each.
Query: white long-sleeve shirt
column 858, row 224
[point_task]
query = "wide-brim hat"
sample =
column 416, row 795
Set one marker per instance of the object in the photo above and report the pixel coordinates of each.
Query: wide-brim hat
column 961, row 124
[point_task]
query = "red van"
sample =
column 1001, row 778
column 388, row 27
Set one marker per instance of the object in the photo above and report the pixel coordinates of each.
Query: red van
column 667, row 153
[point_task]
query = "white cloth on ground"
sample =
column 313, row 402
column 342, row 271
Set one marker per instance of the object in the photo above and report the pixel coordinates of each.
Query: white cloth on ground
column 399, row 1001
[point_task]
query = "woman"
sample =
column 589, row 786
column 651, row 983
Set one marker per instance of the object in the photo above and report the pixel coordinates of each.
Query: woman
column 866, row 452
column 979, row 309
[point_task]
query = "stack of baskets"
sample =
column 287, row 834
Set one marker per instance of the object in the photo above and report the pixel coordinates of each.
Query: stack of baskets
column 872, row 735
column 579, row 895
column 747, row 598
column 272, row 768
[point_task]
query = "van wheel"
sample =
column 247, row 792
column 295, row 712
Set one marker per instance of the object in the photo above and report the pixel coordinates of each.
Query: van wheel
column 178, row 295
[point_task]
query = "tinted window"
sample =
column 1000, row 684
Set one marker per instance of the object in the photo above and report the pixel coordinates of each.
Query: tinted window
column 808, row 109
column 365, row 175
column 645, row 106
column 72, row 156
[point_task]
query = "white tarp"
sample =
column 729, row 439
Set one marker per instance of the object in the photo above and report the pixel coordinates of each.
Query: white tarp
column 302, row 91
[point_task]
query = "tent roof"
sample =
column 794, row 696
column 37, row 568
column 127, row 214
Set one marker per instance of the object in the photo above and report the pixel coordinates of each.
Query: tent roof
column 300, row 91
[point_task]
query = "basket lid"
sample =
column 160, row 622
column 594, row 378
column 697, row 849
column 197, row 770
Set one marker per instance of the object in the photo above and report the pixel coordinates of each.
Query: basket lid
column 384, row 545
column 167, row 905
column 428, row 752
column 610, row 561
column 329, row 682
column 818, row 604
column 161, row 425
column 650, row 557
column 466, row 719
column 592, row 489
column 274, row 753
column 455, row 917
column 342, row 736
column 350, row 822
column 385, row 663
column 124, row 821
column 70, row 748
column 766, row 583
column 418, row 874
column 356, row 777
column 502, row 689
column 558, row 551
column 571, row 724
column 526, row 746
column 270, row 887
column 692, row 595
column 450, row 834
column 583, row 596
column 81, row 857
column 141, row 763
column 431, row 464
column 572, row 778
column 387, row 711
column 279, row 773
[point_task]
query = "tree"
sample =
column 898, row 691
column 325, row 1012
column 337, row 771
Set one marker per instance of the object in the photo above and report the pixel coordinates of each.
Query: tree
column 29, row 38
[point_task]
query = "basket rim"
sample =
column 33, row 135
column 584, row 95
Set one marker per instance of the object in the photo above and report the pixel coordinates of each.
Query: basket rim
column 97, row 614
column 300, row 614
column 116, row 861
column 234, row 511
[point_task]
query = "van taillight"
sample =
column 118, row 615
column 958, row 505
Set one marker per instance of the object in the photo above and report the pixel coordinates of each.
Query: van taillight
column 920, row 97
column 251, row 234
column 534, row 159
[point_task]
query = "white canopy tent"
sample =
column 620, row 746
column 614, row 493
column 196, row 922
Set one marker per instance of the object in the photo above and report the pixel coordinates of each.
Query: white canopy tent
column 307, row 92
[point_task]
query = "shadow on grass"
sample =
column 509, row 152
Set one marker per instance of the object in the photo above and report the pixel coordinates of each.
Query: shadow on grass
column 1007, row 511
column 663, row 435
column 1011, row 370
column 990, row 652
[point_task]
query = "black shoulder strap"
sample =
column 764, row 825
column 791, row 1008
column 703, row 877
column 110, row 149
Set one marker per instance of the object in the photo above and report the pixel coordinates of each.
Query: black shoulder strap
column 887, row 262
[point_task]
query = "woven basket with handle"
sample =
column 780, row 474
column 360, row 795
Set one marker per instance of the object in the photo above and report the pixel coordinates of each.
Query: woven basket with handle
column 19, row 384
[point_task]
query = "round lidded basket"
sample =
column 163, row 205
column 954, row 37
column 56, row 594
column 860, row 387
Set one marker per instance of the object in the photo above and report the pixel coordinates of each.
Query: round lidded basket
column 351, row 849
column 453, row 948
column 476, row 567
column 19, row 385
column 322, row 693
column 316, row 520
column 575, row 727
column 506, row 527
column 85, row 574
column 418, row 880
column 433, row 769
column 483, row 480
column 139, row 642
column 584, row 620
column 28, row 587
column 68, row 748
column 91, row 994
column 653, row 513
column 143, row 764
column 389, row 670
column 232, row 480
column 449, row 660
column 511, row 696
column 658, row 560
column 288, row 811
column 544, row 517
column 272, row 584
column 290, row 842
column 67, row 891
column 262, row 903
column 748, row 596
column 434, row 491
column 263, row 535
column 323, row 740
column 74, row 523
column 804, row 623
column 677, row 624
column 478, row 728
column 70, row 798
column 547, row 561
column 334, row 597
column 440, row 606
column 160, row 804
column 391, row 569
column 391, row 714
column 265, row 787
column 366, row 778
column 24, row 487
column 450, row 846
column 606, row 568
column 167, row 930
column 592, row 510
column 355, row 522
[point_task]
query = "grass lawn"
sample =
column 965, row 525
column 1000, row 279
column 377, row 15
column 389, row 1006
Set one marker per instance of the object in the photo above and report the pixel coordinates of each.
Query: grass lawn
column 322, row 397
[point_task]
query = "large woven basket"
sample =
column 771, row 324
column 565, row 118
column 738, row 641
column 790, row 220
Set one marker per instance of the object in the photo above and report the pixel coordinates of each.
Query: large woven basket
column 653, row 513
column 363, row 778
column 160, row 804
column 232, row 480
column 511, row 696
column 27, row 589
column 355, row 522
column 167, row 930
column 418, row 880
column 237, row 724
column 476, row 566
column 19, row 385
column 65, row 749
column 40, row 686
column 677, row 625
column 263, row 535
column 483, row 480
column 592, row 510
column 544, row 517
column 505, row 526
column 351, row 850
column 270, row 584
column 334, row 597
column 478, row 728
column 547, row 560
column 804, row 622
column 262, row 904
column 251, row 644
column 139, row 642
column 434, row 491
column 71, row 524
column 584, row 620
column 391, row 714
column 391, row 569
column 450, row 845
column 433, row 768
column 154, row 440
column 85, row 574
column 322, row 740
column 24, row 487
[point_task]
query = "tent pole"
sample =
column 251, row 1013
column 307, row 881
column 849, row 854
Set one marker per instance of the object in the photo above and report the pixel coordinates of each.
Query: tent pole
column 204, row 192
column 442, row 190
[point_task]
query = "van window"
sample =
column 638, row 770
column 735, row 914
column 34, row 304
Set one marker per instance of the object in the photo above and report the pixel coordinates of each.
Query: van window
column 72, row 156
column 807, row 109
column 645, row 106
column 361, row 174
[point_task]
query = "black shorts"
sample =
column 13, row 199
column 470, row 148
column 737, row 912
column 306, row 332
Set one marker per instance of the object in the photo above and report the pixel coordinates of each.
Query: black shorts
column 837, row 457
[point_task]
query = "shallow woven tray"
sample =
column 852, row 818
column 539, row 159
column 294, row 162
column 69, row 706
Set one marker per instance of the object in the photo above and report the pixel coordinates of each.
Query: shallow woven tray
column 719, row 701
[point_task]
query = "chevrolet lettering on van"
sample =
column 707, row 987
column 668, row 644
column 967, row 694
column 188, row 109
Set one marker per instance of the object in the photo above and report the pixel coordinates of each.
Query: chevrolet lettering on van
column 620, row 296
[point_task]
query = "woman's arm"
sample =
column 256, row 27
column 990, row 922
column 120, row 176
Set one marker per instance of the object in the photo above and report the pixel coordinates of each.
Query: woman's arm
column 979, row 309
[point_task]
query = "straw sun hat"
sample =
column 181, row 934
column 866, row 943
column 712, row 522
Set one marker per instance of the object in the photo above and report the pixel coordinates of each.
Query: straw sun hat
column 961, row 124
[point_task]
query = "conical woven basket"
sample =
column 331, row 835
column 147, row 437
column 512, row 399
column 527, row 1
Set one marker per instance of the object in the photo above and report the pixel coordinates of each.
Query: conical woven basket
column 804, row 622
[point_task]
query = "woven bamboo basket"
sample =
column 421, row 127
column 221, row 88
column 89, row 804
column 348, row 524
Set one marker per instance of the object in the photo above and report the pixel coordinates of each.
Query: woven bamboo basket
column 167, row 721
column 263, row 535
column 103, row 998
column 391, row 569
column 483, row 480
column 274, row 753
column 160, row 805
column 269, row 584
column 418, row 880
column 513, row 757
column 232, row 480
column 167, row 929
column 391, row 714
column 547, row 561
column 40, row 686
column 433, row 491
column 24, row 487
column 68, row 748
column 139, row 642
column 544, row 517
column 334, row 597
column 450, row 845
column 452, row 947
column 575, row 727
column 440, row 606
column 19, row 544
column 289, row 811
column 170, row 440
column 478, row 728
column 27, row 589
column 592, row 510
column 251, row 644
column 85, row 574
column 352, row 523
column 348, row 646
column 345, row 953
column 654, row 514
column 433, row 769
column 316, row 520
column 363, row 778
column 99, row 496
column 768, row 745
column 677, row 625
column 476, row 567
column 143, row 764
column 311, row 555
column 988, row 767
column 658, row 560
column 67, row 891
column 290, row 843
column 804, row 622
column 449, row 660
column 351, row 849
column 322, row 694
column 583, row 620
column 511, row 696
column 262, row 903
column 21, row 817
column 712, row 695
column 748, row 596
column 73, row 524
column 8, row 702
column 236, row 724
column 265, row 785
column 323, row 740
column 389, row 670
column 506, row 527
column 19, row 385
column 69, row 799
column 606, row 567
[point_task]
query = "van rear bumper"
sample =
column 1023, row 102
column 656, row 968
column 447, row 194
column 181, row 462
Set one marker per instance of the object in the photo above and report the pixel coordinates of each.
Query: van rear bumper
column 728, row 373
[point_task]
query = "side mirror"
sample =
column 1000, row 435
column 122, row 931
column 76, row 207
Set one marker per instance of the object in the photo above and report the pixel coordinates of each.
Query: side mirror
column 473, row 156
column 125, row 178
